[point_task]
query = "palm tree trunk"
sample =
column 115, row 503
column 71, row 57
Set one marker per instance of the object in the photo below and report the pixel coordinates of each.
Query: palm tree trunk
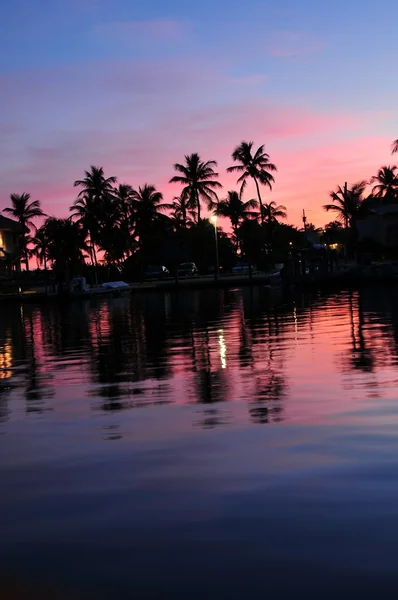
column 93, row 257
column 236, row 233
column 184, row 214
column 198, row 205
column 45, row 271
column 260, row 200
column 270, row 224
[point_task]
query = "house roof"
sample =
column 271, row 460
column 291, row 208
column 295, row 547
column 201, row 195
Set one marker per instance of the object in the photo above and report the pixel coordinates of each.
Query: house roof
column 7, row 224
column 385, row 209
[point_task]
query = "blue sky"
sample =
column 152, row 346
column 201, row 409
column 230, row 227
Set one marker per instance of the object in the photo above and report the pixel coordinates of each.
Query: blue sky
column 134, row 86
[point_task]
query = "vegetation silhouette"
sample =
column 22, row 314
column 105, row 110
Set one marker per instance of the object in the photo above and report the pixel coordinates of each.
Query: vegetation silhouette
column 24, row 211
column 256, row 166
column 120, row 230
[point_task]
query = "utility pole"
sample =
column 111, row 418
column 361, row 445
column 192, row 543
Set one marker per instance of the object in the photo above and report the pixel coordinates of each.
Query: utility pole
column 304, row 221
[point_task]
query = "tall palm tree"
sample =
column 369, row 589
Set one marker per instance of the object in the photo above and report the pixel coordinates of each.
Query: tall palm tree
column 387, row 183
column 147, row 205
column 348, row 205
column 24, row 211
column 234, row 209
column 256, row 166
column 91, row 207
column 394, row 147
column 198, row 179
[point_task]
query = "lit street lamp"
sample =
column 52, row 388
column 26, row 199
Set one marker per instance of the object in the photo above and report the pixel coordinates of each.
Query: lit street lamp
column 213, row 219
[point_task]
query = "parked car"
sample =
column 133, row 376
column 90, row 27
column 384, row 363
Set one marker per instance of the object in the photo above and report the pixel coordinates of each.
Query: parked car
column 187, row 269
column 157, row 272
column 242, row 268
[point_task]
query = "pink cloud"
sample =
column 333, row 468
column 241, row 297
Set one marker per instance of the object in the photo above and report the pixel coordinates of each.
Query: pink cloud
column 303, row 180
column 283, row 44
column 137, row 119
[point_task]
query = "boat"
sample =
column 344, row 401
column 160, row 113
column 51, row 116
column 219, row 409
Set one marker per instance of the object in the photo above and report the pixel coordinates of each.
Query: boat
column 78, row 288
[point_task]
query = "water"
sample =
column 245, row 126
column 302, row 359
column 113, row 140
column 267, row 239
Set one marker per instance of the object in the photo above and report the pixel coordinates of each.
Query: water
column 217, row 444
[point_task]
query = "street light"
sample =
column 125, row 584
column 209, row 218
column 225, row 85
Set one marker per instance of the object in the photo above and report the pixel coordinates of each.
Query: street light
column 213, row 219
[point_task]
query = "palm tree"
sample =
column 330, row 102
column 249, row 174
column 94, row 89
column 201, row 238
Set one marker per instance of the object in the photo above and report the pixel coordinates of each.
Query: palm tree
column 147, row 207
column 65, row 246
column 272, row 212
column 198, row 179
column 123, row 198
column 91, row 207
column 333, row 232
column 387, row 183
column 24, row 211
column 121, row 219
column 394, row 147
column 234, row 209
column 348, row 204
column 40, row 246
column 181, row 215
column 257, row 166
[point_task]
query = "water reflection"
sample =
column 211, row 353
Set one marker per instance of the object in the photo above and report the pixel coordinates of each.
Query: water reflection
column 198, row 347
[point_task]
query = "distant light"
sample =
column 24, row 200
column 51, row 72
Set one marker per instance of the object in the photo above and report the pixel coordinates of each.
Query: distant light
column 213, row 219
column 223, row 349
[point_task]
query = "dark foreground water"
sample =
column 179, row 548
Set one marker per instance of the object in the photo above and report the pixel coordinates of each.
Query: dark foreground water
column 208, row 445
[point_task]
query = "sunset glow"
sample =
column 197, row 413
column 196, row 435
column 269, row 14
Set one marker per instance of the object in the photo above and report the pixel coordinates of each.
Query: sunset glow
column 129, row 87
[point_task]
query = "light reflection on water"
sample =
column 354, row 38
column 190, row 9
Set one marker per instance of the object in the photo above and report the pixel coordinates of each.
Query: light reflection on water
column 197, row 433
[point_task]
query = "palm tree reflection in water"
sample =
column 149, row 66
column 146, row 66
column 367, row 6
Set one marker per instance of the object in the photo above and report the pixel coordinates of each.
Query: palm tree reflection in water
column 204, row 348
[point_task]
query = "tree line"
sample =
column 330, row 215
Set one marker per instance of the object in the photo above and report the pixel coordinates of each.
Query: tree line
column 130, row 228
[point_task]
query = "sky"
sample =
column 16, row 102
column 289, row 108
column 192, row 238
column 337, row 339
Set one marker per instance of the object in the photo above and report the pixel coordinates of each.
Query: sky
column 135, row 86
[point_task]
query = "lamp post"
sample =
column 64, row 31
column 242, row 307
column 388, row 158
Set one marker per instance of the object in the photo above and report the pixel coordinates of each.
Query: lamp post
column 213, row 219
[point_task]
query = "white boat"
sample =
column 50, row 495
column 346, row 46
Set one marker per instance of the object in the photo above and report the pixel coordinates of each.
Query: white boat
column 78, row 288
column 120, row 286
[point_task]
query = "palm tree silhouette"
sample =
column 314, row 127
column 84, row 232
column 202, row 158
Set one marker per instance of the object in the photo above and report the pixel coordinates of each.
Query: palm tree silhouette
column 40, row 246
column 387, row 184
column 256, row 166
column 89, row 208
column 65, row 245
column 348, row 205
column 272, row 212
column 147, row 209
column 122, row 220
column 347, row 202
column 234, row 209
column 123, row 197
column 394, row 147
column 24, row 211
column 181, row 215
column 198, row 179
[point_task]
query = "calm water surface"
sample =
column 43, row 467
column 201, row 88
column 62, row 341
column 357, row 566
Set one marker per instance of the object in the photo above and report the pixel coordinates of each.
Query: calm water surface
column 218, row 444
